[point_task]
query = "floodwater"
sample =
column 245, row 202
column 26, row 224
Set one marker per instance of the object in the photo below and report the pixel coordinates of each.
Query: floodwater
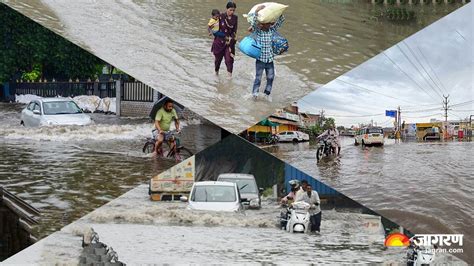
column 165, row 45
column 423, row 186
column 146, row 232
column 67, row 172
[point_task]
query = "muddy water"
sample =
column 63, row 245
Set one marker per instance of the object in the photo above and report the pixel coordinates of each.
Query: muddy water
column 165, row 44
column 394, row 179
column 67, row 172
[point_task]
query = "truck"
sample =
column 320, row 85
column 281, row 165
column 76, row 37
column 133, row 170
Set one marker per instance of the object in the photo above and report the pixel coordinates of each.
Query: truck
column 173, row 183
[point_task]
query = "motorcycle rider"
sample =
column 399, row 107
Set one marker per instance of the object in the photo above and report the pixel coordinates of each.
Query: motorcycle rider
column 332, row 135
column 287, row 200
column 312, row 198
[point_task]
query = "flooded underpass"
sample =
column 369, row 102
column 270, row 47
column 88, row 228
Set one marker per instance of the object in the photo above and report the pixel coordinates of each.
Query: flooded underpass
column 426, row 187
column 167, row 46
column 67, row 172
column 162, row 232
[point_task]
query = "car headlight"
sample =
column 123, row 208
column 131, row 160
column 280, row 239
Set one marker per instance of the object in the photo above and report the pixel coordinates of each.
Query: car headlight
column 255, row 202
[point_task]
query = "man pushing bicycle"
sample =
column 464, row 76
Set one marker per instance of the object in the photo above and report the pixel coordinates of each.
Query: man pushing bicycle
column 165, row 115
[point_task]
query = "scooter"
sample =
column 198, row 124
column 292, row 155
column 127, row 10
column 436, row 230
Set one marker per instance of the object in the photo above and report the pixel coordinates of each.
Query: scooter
column 419, row 256
column 297, row 218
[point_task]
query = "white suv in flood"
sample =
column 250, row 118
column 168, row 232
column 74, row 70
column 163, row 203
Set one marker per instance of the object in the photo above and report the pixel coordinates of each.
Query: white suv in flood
column 292, row 136
column 369, row 136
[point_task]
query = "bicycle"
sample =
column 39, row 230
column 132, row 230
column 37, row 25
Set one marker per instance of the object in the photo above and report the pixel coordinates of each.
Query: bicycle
column 173, row 150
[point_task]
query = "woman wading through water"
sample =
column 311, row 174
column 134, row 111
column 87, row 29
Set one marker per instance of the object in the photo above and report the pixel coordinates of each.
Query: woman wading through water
column 224, row 47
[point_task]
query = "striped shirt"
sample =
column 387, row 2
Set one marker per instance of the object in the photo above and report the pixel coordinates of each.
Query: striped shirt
column 265, row 38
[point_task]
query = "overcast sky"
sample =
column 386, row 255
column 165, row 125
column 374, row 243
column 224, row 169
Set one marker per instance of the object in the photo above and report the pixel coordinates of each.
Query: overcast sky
column 413, row 74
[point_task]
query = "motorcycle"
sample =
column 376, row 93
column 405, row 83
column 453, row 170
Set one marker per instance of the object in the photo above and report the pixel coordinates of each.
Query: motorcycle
column 273, row 139
column 326, row 147
column 297, row 218
column 419, row 255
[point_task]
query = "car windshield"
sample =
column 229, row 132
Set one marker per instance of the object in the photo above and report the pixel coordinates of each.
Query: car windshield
column 245, row 185
column 61, row 108
column 213, row 194
column 375, row 130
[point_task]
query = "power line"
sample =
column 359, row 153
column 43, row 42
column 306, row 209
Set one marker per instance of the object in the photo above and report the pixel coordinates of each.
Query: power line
column 419, row 62
column 472, row 110
column 421, row 74
column 460, row 34
column 365, row 89
column 432, row 70
column 348, row 116
column 461, row 104
column 408, row 75
column 437, row 114
column 424, row 110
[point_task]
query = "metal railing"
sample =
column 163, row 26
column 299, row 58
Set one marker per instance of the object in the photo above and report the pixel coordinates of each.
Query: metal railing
column 27, row 214
column 137, row 92
column 64, row 89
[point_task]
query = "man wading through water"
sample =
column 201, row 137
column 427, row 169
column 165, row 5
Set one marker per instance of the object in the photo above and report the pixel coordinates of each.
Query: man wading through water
column 264, row 33
column 312, row 198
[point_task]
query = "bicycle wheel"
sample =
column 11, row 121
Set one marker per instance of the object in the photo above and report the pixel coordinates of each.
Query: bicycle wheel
column 149, row 147
column 183, row 153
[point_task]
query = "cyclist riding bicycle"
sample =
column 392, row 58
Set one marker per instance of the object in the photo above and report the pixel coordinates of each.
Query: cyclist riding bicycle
column 163, row 119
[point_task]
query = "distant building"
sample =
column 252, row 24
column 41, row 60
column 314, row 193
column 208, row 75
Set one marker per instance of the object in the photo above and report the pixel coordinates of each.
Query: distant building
column 309, row 120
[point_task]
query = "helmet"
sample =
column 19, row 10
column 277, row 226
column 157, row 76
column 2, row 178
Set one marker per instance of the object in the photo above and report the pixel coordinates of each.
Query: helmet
column 294, row 182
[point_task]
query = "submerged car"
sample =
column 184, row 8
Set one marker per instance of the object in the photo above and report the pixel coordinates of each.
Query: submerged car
column 53, row 111
column 247, row 185
column 214, row 196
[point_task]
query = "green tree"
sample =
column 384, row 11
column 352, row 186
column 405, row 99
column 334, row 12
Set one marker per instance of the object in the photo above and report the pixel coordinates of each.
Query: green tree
column 30, row 51
column 328, row 122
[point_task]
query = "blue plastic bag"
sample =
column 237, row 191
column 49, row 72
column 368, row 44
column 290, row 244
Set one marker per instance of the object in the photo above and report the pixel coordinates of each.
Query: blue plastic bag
column 250, row 47
column 279, row 43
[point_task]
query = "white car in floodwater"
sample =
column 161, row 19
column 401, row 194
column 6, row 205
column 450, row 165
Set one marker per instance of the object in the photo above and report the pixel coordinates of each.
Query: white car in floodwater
column 369, row 136
column 291, row 136
column 214, row 196
column 53, row 111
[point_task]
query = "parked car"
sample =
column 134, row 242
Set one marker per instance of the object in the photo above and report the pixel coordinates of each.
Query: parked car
column 369, row 136
column 214, row 196
column 290, row 136
column 249, row 192
column 302, row 136
column 53, row 111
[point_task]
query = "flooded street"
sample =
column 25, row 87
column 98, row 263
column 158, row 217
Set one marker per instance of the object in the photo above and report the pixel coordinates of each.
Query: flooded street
column 165, row 45
column 67, row 172
column 150, row 232
column 425, row 187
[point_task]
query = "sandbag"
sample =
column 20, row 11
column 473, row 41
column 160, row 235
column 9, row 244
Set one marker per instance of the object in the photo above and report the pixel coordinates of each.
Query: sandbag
column 279, row 43
column 249, row 46
column 269, row 14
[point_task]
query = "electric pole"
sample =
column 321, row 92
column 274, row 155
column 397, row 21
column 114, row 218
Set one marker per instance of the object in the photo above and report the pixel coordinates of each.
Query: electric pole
column 321, row 118
column 446, row 108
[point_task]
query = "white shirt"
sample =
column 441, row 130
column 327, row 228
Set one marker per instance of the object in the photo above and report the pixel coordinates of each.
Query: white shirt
column 313, row 201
